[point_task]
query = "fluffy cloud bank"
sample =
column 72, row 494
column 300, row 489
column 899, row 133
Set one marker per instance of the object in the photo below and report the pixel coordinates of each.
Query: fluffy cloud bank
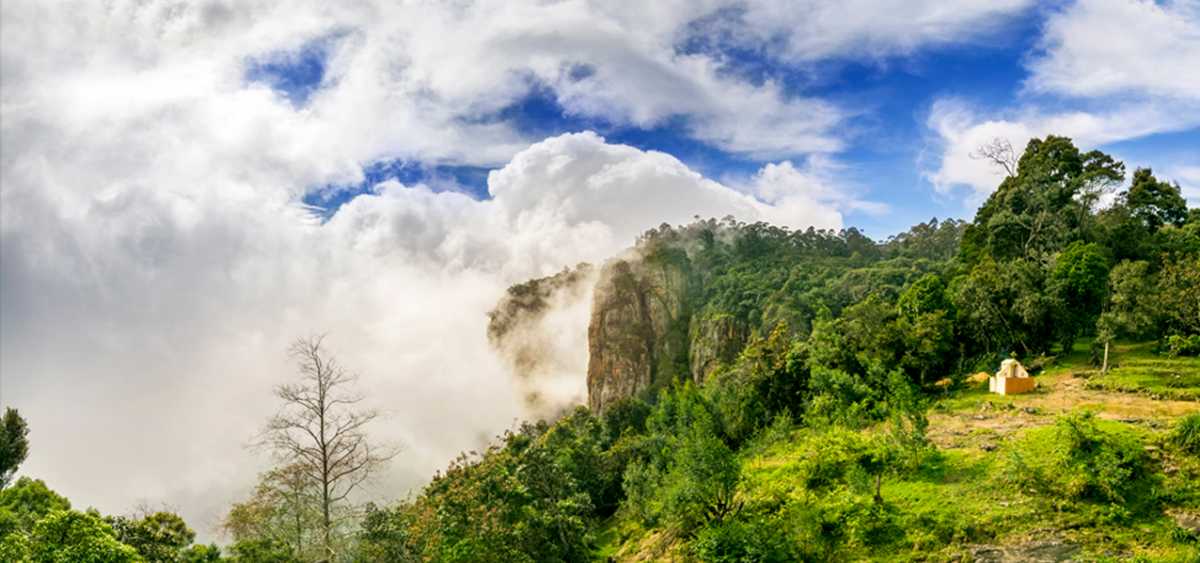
column 144, row 326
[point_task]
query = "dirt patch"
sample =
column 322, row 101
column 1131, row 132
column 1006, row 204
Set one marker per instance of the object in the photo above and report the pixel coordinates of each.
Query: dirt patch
column 1052, row 550
column 991, row 419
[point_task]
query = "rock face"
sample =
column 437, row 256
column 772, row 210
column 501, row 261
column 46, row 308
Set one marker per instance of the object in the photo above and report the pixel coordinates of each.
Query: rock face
column 637, row 336
column 715, row 339
column 653, row 321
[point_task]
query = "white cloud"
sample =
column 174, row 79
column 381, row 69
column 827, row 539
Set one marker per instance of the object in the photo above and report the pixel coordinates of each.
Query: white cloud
column 813, row 192
column 1105, row 47
column 1188, row 177
column 159, row 314
column 1131, row 58
column 961, row 131
column 812, row 30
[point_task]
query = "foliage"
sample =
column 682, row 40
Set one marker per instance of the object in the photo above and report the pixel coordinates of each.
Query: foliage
column 1079, row 281
column 1131, row 308
column 14, row 444
column 745, row 540
column 1080, row 459
column 1154, row 203
column 320, row 436
column 1186, row 434
column 1179, row 345
column 161, row 536
column 38, row 525
column 261, row 551
column 26, row 502
column 1044, row 206
column 530, row 498
column 283, row 513
column 700, row 483
column 200, row 553
column 69, row 536
column 1179, row 296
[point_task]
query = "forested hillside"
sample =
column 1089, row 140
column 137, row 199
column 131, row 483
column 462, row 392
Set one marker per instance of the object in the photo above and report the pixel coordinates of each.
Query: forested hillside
column 759, row 394
column 762, row 394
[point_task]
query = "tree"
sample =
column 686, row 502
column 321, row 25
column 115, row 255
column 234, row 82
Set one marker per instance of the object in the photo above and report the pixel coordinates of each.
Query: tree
column 14, row 444
column 926, row 327
column 1001, row 309
column 285, row 509
column 1129, row 309
column 701, row 483
column 69, row 536
column 261, row 551
column 998, row 151
column 1080, row 281
column 26, row 502
column 158, row 537
column 322, row 432
column 1155, row 203
column 200, row 553
column 1179, row 296
column 1046, row 204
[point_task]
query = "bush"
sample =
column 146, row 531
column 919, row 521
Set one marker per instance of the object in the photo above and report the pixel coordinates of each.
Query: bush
column 700, row 485
column 1080, row 460
column 1186, row 435
column 847, row 519
column 745, row 540
column 1179, row 345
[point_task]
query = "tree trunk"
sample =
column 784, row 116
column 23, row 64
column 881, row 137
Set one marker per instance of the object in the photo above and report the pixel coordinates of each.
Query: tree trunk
column 325, row 521
column 879, row 488
column 1104, row 368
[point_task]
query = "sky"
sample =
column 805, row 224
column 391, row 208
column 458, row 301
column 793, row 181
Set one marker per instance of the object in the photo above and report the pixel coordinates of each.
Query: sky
column 186, row 187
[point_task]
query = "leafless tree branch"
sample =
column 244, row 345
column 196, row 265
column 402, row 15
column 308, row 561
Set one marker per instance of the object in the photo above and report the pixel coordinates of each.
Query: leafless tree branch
column 1000, row 152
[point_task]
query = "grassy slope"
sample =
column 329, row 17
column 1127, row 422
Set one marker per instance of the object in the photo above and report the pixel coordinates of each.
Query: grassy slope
column 962, row 500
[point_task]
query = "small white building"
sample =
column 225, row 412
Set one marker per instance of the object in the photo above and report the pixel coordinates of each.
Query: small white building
column 1011, row 379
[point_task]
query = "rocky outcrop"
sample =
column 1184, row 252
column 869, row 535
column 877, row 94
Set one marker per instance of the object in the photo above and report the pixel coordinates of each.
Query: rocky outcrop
column 714, row 339
column 637, row 336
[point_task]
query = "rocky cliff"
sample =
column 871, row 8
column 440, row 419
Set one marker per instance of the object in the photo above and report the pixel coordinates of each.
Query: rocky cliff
column 645, row 332
column 635, row 306
column 649, row 324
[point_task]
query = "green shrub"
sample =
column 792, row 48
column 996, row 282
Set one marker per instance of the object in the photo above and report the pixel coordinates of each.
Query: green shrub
column 745, row 540
column 1079, row 459
column 1180, row 345
column 847, row 519
column 1186, row 434
column 701, row 483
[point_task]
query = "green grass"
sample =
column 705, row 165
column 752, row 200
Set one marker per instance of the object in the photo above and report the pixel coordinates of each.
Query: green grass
column 965, row 496
column 1139, row 370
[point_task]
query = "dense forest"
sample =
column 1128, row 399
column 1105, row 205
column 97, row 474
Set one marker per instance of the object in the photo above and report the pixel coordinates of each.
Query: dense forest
column 845, row 349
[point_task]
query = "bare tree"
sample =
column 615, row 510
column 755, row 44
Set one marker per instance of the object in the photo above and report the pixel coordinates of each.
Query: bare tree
column 1000, row 152
column 321, row 431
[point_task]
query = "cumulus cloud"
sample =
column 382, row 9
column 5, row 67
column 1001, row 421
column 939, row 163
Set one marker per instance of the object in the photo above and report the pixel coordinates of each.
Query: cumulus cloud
column 1129, row 56
column 1102, row 47
column 811, row 192
column 157, row 317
